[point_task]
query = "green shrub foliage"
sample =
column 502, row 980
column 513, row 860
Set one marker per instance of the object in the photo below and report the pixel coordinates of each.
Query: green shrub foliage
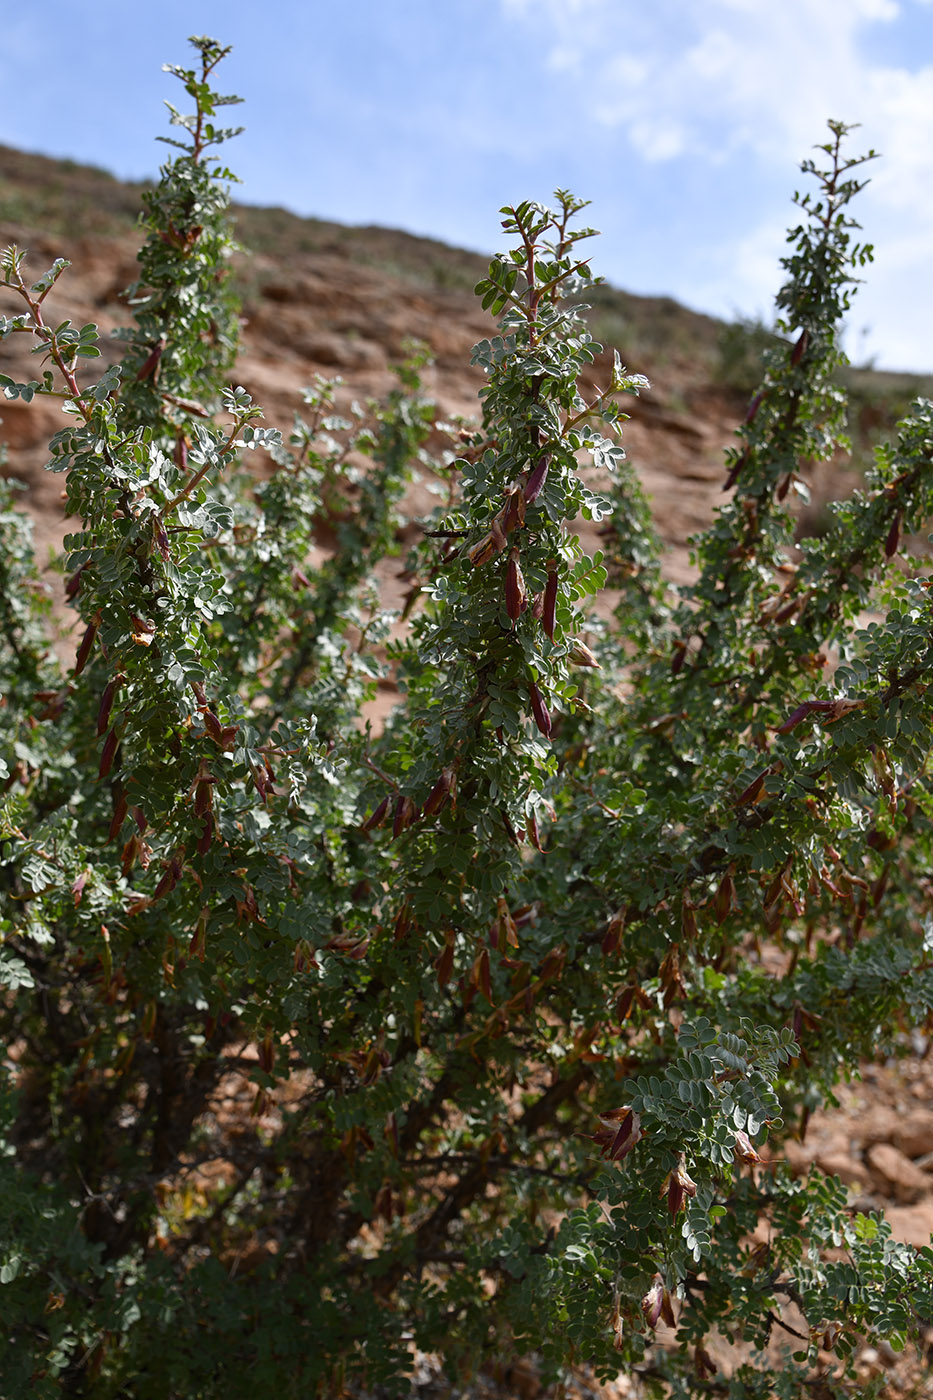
column 531, row 984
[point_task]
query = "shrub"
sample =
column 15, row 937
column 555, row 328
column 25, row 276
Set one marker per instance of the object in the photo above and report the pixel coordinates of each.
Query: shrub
column 521, row 1066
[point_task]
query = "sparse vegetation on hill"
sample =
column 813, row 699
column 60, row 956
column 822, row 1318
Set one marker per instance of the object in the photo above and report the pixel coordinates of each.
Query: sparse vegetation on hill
column 56, row 196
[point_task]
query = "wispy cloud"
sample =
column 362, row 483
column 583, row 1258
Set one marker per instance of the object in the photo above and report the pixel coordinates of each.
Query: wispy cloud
column 687, row 78
column 748, row 81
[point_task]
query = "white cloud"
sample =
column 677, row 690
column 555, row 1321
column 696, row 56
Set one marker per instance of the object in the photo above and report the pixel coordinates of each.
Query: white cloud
column 765, row 74
column 754, row 81
column 770, row 72
column 657, row 139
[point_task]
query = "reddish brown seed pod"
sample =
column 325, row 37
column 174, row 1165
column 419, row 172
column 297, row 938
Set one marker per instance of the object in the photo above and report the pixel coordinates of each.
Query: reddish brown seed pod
column 73, row 584
column 482, row 980
column 507, row 928
column 802, row 712
column 108, row 753
column 775, row 890
column 752, row 793
column 678, row 1184
column 439, row 793
column 203, row 789
column 444, row 964
column 402, row 921
column 205, row 840
column 173, row 873
column 261, row 782
column 580, row 655
column 679, row 657
column 536, row 479
column 131, row 851
column 612, row 938
column 488, row 547
column 549, row 612
column 405, row 813
column 703, row 1363
column 619, row 1132
column 150, row 365
column 212, row 725
column 119, row 813
column 628, row 997
column 788, row 610
column 377, row 816
column 532, row 831
column 197, row 945
column 754, row 406
column 736, row 471
column 894, row 536
column 481, row 552
column 540, row 711
column 880, row 885
column 800, row 349
column 266, row 1055
column 87, row 641
column 553, row 964
column 143, row 630
column 744, row 1149
column 652, row 1303
column 624, row 1002
column 724, row 899
column 512, row 514
column 515, row 595
column 106, row 703
column 621, row 1145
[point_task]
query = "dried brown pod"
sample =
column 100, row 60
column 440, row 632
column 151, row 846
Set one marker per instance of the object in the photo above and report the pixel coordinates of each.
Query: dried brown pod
column 536, row 479
column 540, row 711
column 516, row 597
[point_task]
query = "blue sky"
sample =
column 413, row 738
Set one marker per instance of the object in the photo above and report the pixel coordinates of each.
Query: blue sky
column 683, row 122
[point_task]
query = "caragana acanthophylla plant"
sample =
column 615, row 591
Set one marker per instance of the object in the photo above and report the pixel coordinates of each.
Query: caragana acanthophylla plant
column 532, row 984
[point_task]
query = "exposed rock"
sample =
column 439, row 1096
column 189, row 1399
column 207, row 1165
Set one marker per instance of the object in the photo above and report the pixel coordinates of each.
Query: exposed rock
column 324, row 314
column 879, row 1124
column 912, row 1224
column 913, row 1133
column 897, row 1173
column 799, row 1156
column 30, row 425
column 844, row 1165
